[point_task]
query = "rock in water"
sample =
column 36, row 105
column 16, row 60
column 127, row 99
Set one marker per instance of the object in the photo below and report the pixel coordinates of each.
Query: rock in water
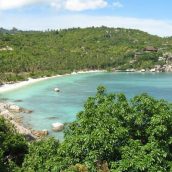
column 56, row 89
column 58, row 126
column 42, row 133
column 27, row 111
column 14, row 108
column 18, row 100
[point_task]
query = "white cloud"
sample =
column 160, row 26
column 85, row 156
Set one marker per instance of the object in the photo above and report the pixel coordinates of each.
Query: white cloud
column 117, row 4
column 80, row 5
column 11, row 4
column 72, row 5
column 156, row 27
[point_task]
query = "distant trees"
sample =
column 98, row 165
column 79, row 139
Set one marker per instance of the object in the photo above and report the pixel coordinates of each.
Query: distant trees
column 74, row 49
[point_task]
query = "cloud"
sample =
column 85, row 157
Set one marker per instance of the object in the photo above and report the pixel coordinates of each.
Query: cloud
column 118, row 4
column 11, row 4
column 156, row 27
column 80, row 5
column 71, row 5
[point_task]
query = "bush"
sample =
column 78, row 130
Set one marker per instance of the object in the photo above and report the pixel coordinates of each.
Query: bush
column 111, row 134
column 12, row 147
column 132, row 135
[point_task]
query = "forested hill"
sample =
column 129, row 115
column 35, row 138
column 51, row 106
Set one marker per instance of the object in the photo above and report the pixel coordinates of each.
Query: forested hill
column 33, row 54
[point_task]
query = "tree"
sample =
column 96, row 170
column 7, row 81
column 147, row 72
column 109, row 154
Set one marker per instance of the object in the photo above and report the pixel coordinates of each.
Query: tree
column 13, row 147
column 111, row 134
column 130, row 135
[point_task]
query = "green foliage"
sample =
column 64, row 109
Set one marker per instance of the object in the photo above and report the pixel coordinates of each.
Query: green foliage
column 37, row 54
column 12, row 147
column 42, row 156
column 111, row 134
column 130, row 135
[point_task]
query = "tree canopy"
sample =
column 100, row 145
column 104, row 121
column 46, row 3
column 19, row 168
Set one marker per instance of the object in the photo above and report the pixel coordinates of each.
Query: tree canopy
column 111, row 134
column 36, row 54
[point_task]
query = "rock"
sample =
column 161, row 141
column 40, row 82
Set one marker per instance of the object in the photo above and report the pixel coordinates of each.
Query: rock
column 14, row 108
column 58, row 126
column 3, row 106
column 130, row 70
column 142, row 70
column 27, row 111
column 52, row 118
column 5, row 112
column 42, row 133
column 18, row 101
column 18, row 120
column 168, row 68
column 56, row 89
column 153, row 70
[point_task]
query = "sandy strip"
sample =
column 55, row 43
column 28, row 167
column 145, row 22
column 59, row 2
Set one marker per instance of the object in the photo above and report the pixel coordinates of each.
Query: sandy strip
column 9, row 87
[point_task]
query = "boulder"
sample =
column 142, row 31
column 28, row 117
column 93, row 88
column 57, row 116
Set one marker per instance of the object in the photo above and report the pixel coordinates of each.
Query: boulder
column 143, row 70
column 27, row 111
column 56, row 89
column 58, row 126
column 14, row 108
column 153, row 70
column 18, row 100
column 52, row 118
column 42, row 133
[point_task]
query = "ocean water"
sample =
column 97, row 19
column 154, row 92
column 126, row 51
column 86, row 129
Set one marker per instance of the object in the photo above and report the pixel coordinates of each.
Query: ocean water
column 50, row 107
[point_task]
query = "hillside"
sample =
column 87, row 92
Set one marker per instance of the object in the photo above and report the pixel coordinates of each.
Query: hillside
column 34, row 54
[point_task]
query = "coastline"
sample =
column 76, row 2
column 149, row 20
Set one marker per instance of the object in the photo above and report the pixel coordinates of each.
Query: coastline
column 10, row 87
column 11, row 115
column 13, row 86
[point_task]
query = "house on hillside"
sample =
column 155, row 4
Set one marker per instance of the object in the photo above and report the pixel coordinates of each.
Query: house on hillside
column 150, row 49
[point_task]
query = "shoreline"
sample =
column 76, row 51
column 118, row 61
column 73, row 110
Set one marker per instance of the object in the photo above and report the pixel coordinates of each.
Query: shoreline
column 11, row 113
column 11, row 116
column 13, row 86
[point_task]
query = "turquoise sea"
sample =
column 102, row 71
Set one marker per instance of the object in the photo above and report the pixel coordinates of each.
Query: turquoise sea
column 50, row 107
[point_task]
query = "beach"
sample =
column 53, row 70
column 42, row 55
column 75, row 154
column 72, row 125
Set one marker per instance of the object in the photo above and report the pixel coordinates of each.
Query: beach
column 13, row 86
column 12, row 115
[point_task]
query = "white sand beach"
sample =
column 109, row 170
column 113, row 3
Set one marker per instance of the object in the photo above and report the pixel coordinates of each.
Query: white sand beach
column 9, row 87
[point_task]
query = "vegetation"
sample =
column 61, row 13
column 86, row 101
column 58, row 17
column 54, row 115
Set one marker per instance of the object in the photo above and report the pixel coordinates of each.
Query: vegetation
column 111, row 134
column 13, row 147
column 36, row 54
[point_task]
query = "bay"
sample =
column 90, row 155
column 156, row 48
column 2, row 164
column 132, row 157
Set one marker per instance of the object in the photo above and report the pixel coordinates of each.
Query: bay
column 50, row 107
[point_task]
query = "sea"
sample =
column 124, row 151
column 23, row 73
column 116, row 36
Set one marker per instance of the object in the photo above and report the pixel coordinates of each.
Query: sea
column 50, row 107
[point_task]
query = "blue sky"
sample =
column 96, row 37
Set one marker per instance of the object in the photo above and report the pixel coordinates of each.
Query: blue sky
column 153, row 16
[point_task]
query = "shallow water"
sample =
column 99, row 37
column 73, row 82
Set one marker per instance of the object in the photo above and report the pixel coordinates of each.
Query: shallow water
column 50, row 107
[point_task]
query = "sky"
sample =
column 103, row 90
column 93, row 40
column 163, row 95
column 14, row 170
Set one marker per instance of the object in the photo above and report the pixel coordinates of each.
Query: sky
column 152, row 16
